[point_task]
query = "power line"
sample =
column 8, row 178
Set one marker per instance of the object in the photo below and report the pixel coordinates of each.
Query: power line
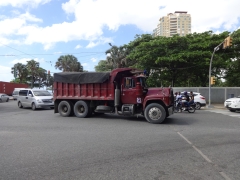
column 17, row 50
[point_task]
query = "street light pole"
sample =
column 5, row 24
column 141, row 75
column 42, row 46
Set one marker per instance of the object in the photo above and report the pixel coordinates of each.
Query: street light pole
column 210, row 72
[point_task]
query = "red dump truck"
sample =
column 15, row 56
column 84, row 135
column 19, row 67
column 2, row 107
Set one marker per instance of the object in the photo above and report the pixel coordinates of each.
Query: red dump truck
column 122, row 91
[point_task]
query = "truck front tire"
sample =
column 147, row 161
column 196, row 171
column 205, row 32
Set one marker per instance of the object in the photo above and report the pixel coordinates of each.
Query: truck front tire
column 81, row 109
column 64, row 108
column 155, row 113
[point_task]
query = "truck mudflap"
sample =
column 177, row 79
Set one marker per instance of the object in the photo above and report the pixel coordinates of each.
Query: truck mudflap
column 170, row 110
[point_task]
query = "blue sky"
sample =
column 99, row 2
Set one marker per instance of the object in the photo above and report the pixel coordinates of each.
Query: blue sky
column 44, row 30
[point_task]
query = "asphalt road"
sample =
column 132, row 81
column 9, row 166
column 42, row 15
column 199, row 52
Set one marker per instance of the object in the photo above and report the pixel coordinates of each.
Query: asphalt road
column 43, row 145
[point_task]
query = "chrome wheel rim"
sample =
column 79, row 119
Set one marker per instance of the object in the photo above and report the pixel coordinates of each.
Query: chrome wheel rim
column 155, row 113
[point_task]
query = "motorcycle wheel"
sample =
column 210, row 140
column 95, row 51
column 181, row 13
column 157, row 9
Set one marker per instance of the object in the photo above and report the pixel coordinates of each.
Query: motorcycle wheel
column 191, row 109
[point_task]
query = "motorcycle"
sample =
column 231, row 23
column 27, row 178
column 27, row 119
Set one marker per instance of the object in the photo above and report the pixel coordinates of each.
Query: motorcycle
column 179, row 107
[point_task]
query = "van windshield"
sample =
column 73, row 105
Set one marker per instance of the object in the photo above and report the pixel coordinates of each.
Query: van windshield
column 41, row 93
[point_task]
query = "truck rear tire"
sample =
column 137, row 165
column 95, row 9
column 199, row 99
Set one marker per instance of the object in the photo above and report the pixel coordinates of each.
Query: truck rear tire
column 81, row 109
column 155, row 113
column 64, row 108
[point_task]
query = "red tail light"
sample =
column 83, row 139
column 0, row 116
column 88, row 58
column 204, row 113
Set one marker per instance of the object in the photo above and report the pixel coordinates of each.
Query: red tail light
column 202, row 97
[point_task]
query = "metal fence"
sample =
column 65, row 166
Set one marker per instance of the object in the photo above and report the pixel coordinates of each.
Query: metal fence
column 218, row 94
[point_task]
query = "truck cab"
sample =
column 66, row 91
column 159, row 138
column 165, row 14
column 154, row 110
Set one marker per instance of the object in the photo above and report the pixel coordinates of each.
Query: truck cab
column 133, row 89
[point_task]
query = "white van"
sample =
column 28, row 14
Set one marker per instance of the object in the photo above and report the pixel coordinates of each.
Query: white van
column 35, row 98
column 16, row 92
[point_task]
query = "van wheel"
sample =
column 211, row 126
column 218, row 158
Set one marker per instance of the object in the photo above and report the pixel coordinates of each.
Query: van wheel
column 81, row 109
column 64, row 108
column 33, row 106
column 7, row 100
column 155, row 113
column 20, row 104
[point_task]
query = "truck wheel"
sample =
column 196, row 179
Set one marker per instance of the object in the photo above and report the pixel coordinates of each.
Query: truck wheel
column 155, row 113
column 64, row 108
column 81, row 109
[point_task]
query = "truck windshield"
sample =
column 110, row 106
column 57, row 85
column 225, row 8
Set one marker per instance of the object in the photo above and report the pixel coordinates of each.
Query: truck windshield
column 142, row 80
column 41, row 93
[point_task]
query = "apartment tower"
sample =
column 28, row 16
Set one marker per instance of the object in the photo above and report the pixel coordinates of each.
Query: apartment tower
column 174, row 23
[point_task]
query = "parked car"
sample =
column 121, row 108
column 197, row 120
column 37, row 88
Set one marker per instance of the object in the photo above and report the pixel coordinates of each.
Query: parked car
column 35, row 98
column 4, row 97
column 233, row 104
column 198, row 99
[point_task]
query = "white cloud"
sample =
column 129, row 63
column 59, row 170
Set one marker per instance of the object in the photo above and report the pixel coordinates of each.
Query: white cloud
column 23, row 3
column 24, row 61
column 93, row 59
column 92, row 44
column 92, row 16
column 84, row 64
column 6, row 73
column 78, row 46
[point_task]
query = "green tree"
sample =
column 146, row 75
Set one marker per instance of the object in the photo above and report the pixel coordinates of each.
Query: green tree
column 49, row 82
column 21, row 72
column 68, row 63
column 103, row 66
column 232, row 71
column 41, row 77
column 178, row 60
column 117, row 56
column 32, row 67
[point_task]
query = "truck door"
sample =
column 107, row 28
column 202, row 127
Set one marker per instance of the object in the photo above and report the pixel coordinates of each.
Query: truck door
column 128, row 91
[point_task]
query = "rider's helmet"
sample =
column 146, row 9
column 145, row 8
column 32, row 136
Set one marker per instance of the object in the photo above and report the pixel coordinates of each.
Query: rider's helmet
column 185, row 93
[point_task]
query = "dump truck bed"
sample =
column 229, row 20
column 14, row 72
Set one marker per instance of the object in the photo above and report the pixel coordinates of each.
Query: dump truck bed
column 83, row 85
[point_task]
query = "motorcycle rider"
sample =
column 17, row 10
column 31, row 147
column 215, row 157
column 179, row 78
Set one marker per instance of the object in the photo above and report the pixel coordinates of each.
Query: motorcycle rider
column 187, row 99
column 191, row 98
column 178, row 100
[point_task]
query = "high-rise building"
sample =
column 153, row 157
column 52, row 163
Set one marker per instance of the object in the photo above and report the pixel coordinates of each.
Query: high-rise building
column 174, row 23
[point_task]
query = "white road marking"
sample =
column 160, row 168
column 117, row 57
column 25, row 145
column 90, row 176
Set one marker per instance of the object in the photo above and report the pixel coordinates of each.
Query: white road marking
column 225, row 112
column 224, row 175
column 184, row 138
column 204, row 156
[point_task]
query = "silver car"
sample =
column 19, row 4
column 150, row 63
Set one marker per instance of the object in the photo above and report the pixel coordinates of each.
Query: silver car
column 4, row 97
column 35, row 98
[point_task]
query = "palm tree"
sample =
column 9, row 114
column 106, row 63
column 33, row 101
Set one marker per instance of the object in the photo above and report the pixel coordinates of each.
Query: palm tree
column 32, row 67
column 68, row 63
column 19, row 71
column 103, row 66
column 41, row 76
column 116, row 56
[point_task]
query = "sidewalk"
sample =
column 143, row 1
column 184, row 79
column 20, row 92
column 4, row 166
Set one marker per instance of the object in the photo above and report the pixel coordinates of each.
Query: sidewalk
column 215, row 106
